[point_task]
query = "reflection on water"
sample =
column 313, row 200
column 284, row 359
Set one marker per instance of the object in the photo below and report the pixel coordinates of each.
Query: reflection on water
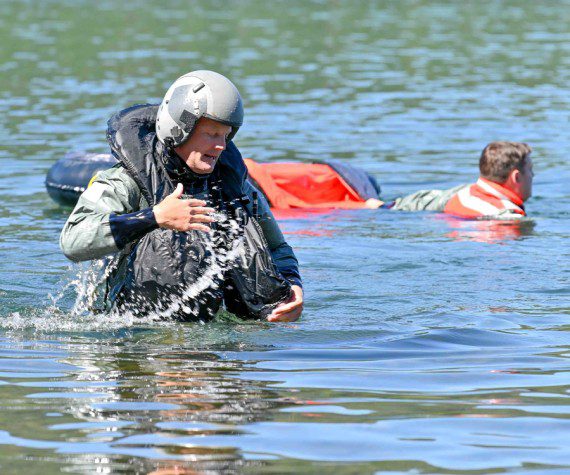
column 489, row 231
column 147, row 396
column 126, row 402
column 428, row 345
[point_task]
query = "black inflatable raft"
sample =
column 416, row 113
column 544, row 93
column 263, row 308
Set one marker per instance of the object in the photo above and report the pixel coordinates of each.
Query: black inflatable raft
column 70, row 176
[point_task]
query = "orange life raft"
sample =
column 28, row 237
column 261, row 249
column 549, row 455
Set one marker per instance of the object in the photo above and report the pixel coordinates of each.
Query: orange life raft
column 329, row 184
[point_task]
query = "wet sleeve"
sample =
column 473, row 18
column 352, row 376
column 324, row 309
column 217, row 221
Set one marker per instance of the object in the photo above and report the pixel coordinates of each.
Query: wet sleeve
column 87, row 234
column 129, row 227
column 425, row 200
column 281, row 252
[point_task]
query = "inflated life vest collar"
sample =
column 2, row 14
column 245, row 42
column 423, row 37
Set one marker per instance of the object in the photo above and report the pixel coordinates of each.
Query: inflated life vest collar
column 500, row 189
column 133, row 142
column 484, row 199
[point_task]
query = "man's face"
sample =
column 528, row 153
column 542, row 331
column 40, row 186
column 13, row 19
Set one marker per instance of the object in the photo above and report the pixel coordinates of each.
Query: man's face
column 525, row 180
column 202, row 150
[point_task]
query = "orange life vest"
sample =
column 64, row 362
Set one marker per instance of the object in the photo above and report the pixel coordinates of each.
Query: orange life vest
column 482, row 199
column 304, row 185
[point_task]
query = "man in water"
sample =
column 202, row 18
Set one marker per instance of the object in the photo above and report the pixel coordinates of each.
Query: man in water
column 154, row 212
column 505, row 183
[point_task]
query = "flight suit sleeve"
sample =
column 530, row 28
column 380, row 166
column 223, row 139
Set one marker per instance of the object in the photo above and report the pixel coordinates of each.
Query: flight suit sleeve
column 88, row 233
column 426, row 200
column 281, row 252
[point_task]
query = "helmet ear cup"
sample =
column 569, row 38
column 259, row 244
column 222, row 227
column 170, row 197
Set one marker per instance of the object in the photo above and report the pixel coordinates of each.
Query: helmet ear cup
column 188, row 120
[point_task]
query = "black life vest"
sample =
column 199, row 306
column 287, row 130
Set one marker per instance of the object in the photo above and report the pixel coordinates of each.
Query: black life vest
column 182, row 274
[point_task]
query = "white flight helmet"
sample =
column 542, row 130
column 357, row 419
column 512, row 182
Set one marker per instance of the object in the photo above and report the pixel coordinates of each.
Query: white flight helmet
column 195, row 95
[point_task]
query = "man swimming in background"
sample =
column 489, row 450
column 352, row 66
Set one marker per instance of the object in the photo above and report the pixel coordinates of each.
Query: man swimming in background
column 505, row 183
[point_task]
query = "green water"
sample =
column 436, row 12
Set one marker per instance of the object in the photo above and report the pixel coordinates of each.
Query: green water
column 427, row 346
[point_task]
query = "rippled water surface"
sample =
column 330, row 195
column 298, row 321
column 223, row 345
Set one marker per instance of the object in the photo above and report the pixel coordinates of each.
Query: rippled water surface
column 427, row 345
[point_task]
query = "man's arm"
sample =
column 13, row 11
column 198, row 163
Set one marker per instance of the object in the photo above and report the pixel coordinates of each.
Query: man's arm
column 93, row 229
column 281, row 252
column 282, row 255
column 109, row 215
column 426, row 200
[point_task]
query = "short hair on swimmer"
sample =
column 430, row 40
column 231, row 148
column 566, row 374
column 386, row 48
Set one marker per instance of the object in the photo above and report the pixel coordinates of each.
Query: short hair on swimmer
column 498, row 159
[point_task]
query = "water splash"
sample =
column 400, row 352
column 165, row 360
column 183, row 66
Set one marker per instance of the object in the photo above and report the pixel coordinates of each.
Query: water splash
column 83, row 287
column 222, row 259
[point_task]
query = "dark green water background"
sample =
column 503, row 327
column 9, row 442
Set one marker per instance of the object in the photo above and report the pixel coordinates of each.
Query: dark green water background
column 426, row 346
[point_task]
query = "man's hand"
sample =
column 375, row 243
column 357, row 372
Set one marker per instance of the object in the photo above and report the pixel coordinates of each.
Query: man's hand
column 181, row 214
column 290, row 311
column 373, row 203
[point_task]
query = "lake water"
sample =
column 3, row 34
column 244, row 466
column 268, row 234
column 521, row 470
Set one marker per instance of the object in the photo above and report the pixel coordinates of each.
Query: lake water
column 426, row 346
